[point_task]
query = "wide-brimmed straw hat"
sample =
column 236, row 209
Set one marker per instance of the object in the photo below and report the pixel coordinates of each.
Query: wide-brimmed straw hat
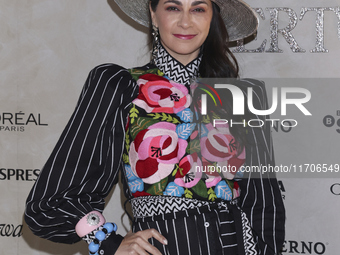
column 239, row 18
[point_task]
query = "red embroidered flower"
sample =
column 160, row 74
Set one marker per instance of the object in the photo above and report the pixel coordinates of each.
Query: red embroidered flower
column 220, row 146
column 157, row 94
column 189, row 172
column 155, row 151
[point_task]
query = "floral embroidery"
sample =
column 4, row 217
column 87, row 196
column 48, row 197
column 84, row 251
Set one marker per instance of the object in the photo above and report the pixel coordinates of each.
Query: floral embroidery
column 135, row 183
column 220, row 146
column 157, row 94
column 185, row 130
column 190, row 171
column 167, row 153
column 222, row 190
column 173, row 190
column 186, row 115
column 155, row 151
column 212, row 176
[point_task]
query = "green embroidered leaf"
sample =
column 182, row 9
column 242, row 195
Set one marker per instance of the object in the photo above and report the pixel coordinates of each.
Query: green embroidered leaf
column 158, row 188
column 133, row 113
column 154, row 115
column 160, row 73
column 141, row 124
column 175, row 170
column 200, row 189
column 175, row 121
column 125, row 158
column 127, row 141
column 164, row 117
column 193, row 146
column 215, row 116
column 134, row 109
column 212, row 195
column 206, row 119
column 188, row 193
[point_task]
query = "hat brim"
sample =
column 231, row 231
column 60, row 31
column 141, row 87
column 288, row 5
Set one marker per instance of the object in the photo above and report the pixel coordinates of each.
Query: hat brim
column 239, row 18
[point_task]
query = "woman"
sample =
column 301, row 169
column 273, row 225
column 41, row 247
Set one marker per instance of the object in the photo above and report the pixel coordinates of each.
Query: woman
column 145, row 122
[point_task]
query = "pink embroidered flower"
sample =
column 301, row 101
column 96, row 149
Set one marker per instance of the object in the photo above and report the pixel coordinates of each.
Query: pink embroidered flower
column 189, row 172
column 213, row 176
column 220, row 146
column 157, row 94
column 155, row 151
column 230, row 167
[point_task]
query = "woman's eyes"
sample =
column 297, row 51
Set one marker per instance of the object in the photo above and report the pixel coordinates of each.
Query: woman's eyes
column 173, row 8
column 199, row 10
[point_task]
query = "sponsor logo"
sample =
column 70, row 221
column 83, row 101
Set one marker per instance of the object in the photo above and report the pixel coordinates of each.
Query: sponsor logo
column 19, row 174
column 330, row 121
column 302, row 247
column 335, row 189
column 16, row 122
column 10, row 230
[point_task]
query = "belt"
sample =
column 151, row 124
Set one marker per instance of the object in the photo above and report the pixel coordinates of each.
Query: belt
column 155, row 208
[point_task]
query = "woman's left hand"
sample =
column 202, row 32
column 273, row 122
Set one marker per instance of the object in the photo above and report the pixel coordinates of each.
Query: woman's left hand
column 138, row 244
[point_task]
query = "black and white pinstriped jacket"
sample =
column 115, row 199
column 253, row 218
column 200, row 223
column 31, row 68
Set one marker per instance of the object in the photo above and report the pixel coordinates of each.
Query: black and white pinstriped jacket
column 84, row 164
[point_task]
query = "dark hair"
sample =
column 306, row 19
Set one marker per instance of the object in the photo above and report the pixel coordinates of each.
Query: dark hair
column 154, row 4
column 217, row 62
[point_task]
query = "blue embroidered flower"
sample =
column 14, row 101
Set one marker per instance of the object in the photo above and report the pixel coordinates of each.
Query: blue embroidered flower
column 173, row 190
column 135, row 183
column 223, row 191
column 184, row 130
column 129, row 173
column 186, row 115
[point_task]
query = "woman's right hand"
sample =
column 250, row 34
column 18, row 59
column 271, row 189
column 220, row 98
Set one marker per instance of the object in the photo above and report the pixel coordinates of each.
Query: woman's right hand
column 137, row 243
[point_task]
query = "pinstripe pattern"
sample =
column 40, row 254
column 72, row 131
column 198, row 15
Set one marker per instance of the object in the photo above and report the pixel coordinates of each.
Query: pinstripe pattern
column 197, row 234
column 84, row 165
column 260, row 197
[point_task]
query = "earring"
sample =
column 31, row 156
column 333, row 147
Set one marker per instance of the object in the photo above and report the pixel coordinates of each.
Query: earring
column 155, row 35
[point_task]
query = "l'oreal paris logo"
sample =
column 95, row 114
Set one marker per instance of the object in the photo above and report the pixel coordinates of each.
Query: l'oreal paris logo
column 17, row 121
column 239, row 103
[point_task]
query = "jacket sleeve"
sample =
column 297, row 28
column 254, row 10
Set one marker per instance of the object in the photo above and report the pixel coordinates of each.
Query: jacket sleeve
column 260, row 196
column 84, row 164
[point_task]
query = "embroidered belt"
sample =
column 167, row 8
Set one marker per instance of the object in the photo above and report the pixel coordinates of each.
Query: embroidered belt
column 158, row 206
